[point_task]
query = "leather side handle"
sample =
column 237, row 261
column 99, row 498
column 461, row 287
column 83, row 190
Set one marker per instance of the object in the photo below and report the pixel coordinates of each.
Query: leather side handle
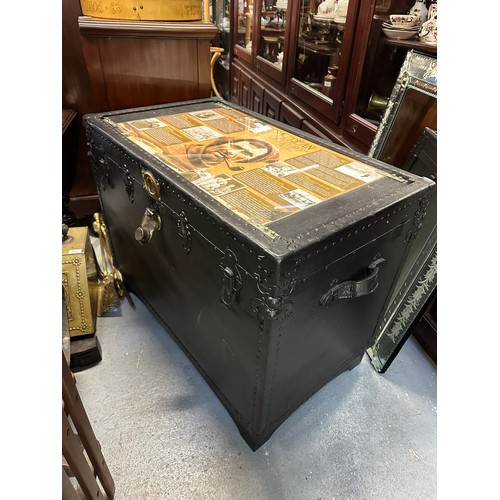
column 352, row 289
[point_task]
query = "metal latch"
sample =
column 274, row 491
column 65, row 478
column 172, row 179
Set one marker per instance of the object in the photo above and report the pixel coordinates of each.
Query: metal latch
column 231, row 278
column 150, row 223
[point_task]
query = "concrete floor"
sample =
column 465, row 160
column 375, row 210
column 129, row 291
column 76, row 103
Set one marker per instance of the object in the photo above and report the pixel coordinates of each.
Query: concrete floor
column 165, row 435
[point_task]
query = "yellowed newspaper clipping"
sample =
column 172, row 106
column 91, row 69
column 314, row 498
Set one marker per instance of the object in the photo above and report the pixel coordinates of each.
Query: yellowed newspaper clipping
column 262, row 173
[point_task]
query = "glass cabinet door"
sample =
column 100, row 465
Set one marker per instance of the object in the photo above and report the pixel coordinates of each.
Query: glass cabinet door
column 320, row 46
column 318, row 49
column 271, row 37
column 243, row 29
column 220, row 15
column 384, row 53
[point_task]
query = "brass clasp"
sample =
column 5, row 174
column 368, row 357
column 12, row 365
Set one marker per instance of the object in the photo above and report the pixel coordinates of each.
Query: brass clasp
column 151, row 185
column 150, row 223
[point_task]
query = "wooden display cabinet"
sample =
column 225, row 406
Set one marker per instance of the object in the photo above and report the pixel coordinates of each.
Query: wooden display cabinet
column 110, row 65
column 140, row 63
column 378, row 62
column 282, row 51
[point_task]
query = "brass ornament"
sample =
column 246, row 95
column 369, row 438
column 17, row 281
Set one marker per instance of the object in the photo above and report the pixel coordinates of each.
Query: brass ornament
column 151, row 185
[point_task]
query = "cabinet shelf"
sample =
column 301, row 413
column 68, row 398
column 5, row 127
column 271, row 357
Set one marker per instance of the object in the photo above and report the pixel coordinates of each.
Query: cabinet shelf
column 315, row 48
column 411, row 44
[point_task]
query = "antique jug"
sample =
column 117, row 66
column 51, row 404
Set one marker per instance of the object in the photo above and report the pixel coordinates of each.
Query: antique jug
column 432, row 10
column 327, row 8
column 419, row 10
column 428, row 30
column 341, row 11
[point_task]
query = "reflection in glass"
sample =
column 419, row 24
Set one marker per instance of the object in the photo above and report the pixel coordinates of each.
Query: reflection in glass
column 318, row 46
column 245, row 14
column 220, row 16
column 272, row 31
column 413, row 108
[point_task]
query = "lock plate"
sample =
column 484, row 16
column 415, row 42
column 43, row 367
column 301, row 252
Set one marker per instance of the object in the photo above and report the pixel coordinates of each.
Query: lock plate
column 231, row 278
column 150, row 223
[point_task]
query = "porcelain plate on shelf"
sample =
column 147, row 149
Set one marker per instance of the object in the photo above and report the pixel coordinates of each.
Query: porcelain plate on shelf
column 399, row 34
column 397, row 28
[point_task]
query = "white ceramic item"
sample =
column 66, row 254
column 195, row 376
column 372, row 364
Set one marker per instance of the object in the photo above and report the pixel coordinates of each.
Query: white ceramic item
column 399, row 34
column 404, row 20
column 341, row 11
column 419, row 10
column 428, row 30
column 327, row 8
column 432, row 10
column 392, row 27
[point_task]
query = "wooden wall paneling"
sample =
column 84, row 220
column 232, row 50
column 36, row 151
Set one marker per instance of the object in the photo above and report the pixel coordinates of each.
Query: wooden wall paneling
column 245, row 83
column 77, row 95
column 361, row 130
column 101, row 59
column 290, row 116
column 307, row 126
column 256, row 96
column 235, row 84
column 142, row 63
column 159, row 82
column 203, row 47
column 75, row 80
column 271, row 105
column 94, row 70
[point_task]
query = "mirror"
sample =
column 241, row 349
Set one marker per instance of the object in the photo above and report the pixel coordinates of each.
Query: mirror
column 407, row 138
column 411, row 108
column 244, row 25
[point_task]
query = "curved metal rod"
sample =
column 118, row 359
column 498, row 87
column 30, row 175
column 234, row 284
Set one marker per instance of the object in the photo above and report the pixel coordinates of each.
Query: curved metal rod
column 216, row 52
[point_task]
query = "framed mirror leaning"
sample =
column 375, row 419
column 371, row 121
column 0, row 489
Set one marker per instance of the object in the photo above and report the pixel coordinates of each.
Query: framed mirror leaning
column 407, row 138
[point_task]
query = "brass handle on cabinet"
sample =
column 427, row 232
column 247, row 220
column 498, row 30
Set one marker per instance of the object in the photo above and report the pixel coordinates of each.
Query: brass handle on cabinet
column 150, row 223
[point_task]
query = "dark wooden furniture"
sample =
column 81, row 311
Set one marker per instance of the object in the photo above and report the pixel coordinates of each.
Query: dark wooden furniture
column 69, row 159
column 292, row 92
column 109, row 65
column 376, row 63
column 141, row 63
column 411, row 109
column 83, row 459
column 76, row 95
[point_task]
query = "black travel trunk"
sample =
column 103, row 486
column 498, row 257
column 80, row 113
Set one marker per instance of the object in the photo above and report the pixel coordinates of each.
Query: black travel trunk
column 268, row 253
